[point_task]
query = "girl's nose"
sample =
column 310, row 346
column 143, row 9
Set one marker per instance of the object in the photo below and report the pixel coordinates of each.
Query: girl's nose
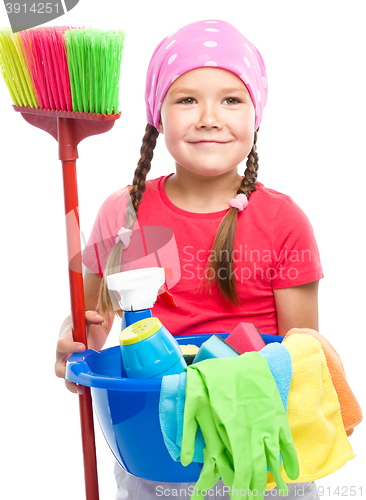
column 208, row 118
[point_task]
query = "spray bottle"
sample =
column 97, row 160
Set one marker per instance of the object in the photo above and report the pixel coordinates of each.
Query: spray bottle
column 148, row 349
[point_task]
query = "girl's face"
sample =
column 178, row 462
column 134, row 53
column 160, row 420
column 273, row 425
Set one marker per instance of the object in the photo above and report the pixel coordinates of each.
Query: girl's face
column 207, row 118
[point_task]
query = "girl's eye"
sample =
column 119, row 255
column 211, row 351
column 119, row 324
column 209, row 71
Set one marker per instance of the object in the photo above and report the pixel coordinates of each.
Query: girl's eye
column 188, row 100
column 231, row 100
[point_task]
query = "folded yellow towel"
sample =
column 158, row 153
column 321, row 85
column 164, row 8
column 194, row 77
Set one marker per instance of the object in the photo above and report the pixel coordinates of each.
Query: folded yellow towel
column 350, row 409
column 313, row 413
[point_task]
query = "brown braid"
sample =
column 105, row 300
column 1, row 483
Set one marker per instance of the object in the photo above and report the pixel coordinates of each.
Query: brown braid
column 249, row 182
column 142, row 169
column 108, row 300
column 223, row 246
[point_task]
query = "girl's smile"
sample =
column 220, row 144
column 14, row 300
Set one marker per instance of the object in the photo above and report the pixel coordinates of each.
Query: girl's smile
column 207, row 118
column 208, row 143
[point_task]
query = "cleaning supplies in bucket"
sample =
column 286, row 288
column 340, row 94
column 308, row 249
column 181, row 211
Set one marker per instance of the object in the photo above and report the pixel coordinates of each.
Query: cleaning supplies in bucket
column 150, row 351
column 237, row 405
column 173, row 395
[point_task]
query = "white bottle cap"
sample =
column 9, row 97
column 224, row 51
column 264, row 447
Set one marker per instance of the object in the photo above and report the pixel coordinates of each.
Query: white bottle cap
column 138, row 288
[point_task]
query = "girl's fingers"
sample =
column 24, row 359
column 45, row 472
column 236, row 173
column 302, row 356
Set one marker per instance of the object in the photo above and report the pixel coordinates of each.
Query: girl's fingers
column 93, row 318
column 66, row 345
column 74, row 388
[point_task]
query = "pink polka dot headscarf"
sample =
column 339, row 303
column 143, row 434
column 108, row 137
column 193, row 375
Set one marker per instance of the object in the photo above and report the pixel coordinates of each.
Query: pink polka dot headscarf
column 197, row 45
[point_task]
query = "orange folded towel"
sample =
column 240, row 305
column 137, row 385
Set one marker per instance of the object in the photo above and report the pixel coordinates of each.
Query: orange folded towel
column 350, row 409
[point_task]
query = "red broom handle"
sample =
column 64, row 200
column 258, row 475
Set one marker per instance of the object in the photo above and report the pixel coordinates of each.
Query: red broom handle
column 79, row 323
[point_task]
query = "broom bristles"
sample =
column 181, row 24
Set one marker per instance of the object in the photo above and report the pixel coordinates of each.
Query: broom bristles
column 15, row 71
column 63, row 68
column 94, row 57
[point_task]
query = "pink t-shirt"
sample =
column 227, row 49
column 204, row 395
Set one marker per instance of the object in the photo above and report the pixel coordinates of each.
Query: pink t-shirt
column 275, row 248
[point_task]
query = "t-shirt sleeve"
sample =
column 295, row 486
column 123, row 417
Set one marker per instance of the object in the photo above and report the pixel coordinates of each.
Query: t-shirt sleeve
column 110, row 218
column 296, row 253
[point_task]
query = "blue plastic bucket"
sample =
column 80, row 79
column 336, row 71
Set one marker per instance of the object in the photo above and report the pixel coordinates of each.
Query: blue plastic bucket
column 128, row 412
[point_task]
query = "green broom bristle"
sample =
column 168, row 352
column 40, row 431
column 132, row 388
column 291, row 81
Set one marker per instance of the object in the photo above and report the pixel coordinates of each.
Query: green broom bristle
column 15, row 71
column 94, row 59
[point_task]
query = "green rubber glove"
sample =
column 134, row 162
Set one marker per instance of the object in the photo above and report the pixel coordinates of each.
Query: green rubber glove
column 251, row 421
column 197, row 411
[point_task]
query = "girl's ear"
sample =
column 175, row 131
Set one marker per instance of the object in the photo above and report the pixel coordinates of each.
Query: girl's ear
column 161, row 128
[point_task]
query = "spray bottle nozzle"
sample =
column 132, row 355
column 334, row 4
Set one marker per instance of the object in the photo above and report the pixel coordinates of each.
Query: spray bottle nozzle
column 139, row 288
column 166, row 296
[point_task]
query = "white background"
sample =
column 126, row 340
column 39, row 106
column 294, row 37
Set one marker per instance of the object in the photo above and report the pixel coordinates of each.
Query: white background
column 310, row 145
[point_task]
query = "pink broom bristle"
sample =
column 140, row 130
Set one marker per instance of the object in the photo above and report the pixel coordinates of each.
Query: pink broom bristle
column 52, row 91
column 31, row 52
column 59, row 48
column 45, row 52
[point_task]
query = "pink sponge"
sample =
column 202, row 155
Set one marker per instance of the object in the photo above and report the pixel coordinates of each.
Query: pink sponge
column 245, row 338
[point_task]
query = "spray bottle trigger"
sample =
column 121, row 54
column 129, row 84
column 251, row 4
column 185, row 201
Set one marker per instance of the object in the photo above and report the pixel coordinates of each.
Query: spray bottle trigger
column 167, row 297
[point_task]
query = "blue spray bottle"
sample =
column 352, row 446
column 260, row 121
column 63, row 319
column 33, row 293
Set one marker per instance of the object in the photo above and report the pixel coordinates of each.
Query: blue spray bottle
column 148, row 349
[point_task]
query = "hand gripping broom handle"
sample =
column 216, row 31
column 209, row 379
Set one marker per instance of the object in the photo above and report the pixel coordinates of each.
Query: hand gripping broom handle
column 69, row 128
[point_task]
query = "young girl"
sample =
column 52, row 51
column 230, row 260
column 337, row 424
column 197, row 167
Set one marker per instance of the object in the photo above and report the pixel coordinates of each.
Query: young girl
column 238, row 250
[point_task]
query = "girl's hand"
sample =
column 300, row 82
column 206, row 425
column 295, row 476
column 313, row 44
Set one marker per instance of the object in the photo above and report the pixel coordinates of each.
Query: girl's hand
column 66, row 346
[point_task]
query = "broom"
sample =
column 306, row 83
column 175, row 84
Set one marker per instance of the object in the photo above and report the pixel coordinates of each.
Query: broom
column 66, row 81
